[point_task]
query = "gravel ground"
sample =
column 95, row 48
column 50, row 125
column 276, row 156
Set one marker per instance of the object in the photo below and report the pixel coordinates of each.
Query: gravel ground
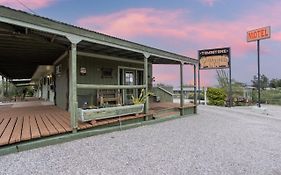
column 216, row 141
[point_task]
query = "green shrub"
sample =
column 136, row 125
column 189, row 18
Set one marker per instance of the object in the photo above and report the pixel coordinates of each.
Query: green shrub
column 272, row 96
column 216, row 96
column 200, row 96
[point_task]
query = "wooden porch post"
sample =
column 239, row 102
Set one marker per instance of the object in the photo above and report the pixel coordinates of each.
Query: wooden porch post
column 181, row 87
column 145, row 74
column 73, row 104
column 195, row 88
column 6, row 87
column 3, row 87
column 73, row 86
column 9, row 83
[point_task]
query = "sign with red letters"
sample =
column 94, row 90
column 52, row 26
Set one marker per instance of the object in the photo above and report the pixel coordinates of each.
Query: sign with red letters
column 259, row 34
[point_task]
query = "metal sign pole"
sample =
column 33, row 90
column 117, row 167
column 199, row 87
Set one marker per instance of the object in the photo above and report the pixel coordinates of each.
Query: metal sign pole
column 259, row 78
column 199, row 84
column 230, row 82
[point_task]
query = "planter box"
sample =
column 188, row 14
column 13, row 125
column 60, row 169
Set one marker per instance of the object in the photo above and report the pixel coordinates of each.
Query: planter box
column 103, row 113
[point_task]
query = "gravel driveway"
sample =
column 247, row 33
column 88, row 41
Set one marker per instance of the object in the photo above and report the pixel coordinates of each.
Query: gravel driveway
column 216, row 141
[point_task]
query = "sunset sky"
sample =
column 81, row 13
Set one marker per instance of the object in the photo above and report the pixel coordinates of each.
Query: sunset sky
column 180, row 26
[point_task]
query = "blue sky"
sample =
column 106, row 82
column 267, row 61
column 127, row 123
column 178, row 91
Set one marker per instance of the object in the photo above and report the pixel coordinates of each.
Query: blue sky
column 180, row 26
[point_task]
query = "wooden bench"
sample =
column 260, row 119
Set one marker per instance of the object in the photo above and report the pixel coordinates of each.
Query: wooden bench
column 108, row 96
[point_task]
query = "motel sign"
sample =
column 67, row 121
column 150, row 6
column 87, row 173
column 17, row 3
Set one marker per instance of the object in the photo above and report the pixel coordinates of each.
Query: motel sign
column 258, row 34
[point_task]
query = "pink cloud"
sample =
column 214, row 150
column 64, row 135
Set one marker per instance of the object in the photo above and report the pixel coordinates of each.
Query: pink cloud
column 221, row 34
column 277, row 36
column 170, row 74
column 208, row 2
column 176, row 27
column 135, row 22
column 162, row 75
column 32, row 4
column 207, row 78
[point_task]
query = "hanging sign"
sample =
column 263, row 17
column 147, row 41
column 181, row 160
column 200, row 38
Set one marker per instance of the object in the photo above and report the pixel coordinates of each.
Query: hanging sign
column 259, row 34
column 218, row 58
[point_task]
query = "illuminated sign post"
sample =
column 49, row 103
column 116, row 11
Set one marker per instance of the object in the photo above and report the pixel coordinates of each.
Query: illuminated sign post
column 257, row 35
column 218, row 58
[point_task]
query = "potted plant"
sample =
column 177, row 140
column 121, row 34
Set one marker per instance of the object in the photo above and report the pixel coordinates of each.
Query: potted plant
column 142, row 97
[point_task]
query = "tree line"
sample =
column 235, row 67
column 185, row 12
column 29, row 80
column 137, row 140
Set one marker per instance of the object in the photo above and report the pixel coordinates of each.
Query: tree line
column 266, row 82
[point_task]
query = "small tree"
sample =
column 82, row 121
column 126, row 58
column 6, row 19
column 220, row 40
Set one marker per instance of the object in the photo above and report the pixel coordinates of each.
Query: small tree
column 237, row 87
column 264, row 81
column 223, row 79
column 275, row 83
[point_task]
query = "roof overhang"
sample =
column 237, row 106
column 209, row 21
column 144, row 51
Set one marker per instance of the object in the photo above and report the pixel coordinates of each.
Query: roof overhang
column 27, row 41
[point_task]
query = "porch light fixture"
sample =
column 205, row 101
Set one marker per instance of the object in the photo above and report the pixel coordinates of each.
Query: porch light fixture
column 83, row 71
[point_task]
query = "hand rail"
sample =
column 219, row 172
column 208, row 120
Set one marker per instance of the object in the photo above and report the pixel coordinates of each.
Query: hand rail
column 99, row 86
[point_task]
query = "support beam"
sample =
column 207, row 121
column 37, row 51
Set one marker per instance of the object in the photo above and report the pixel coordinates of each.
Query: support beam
column 60, row 58
column 181, row 88
column 94, row 55
column 195, row 88
column 73, row 86
column 145, row 78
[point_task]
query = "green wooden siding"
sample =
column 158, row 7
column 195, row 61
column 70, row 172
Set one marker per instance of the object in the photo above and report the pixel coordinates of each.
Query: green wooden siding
column 94, row 68
column 62, row 84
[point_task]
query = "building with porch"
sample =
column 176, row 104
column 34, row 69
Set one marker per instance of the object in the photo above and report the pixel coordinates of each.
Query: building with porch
column 89, row 77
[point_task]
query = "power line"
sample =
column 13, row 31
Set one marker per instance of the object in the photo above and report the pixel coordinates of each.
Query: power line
column 25, row 6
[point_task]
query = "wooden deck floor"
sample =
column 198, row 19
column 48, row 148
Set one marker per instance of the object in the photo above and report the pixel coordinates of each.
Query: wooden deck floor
column 24, row 121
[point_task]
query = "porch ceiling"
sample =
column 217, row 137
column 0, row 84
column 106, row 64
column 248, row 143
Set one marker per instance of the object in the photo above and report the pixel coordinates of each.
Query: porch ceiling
column 122, row 53
column 23, row 50
column 95, row 48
